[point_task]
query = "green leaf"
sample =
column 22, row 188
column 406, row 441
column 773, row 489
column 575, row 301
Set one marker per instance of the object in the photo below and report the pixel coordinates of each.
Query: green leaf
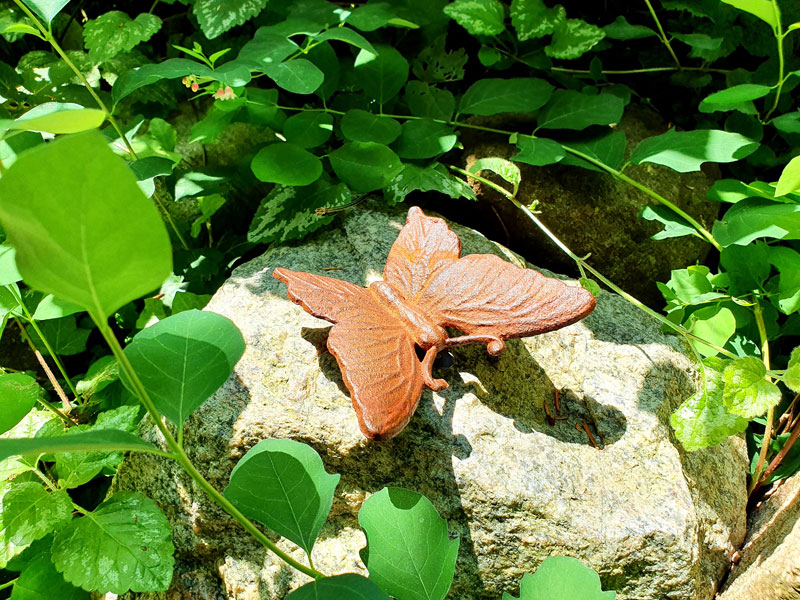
column 494, row 96
column 428, row 101
column 747, row 267
column 746, row 392
column 308, row 129
column 561, row 578
column 184, row 301
column 299, row 76
column 30, row 512
column 372, row 16
column 59, row 117
column 737, row 93
column 287, row 164
column 100, row 374
column 608, row 147
column 766, row 10
column 790, row 178
column 47, row 9
column 537, row 151
column 18, row 395
column 686, row 151
column 208, row 206
column 569, row 109
column 383, row 75
column 572, row 38
column 289, row 213
column 702, row 420
column 499, row 166
column 54, row 308
column 124, row 544
column 532, row 19
column 792, row 375
column 426, row 179
column 674, row 225
column 692, row 285
column 703, row 46
column 409, row 553
column 183, row 359
column 63, row 335
column 39, row 580
column 424, row 138
column 787, row 262
column 90, row 441
column 712, row 324
column 114, row 32
column 362, row 126
column 218, row 16
column 729, row 190
column 620, row 29
column 344, row 34
column 478, row 17
column 753, row 218
column 283, row 484
column 365, row 166
column 8, row 265
column 94, row 270
column 340, row 587
column 788, row 123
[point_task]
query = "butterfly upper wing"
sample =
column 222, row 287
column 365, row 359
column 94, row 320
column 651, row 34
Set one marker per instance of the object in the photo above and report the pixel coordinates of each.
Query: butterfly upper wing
column 375, row 354
column 424, row 247
column 482, row 294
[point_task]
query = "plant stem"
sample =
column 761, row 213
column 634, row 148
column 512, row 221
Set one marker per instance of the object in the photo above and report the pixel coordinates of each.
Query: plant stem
column 638, row 71
column 762, row 456
column 183, row 459
column 48, row 36
column 8, row 584
column 779, row 35
column 661, row 33
column 582, row 264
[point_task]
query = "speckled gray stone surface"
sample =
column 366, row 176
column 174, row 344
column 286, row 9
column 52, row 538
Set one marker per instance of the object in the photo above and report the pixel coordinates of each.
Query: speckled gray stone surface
column 656, row 522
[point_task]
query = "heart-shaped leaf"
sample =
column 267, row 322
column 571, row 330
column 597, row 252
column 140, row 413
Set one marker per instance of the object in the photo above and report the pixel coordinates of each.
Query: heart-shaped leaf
column 561, row 578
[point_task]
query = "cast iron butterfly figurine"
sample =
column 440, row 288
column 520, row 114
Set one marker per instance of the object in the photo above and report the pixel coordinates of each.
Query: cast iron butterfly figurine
column 426, row 286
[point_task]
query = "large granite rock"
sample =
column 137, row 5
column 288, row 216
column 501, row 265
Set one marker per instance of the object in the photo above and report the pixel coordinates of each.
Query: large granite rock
column 769, row 568
column 655, row 521
column 590, row 211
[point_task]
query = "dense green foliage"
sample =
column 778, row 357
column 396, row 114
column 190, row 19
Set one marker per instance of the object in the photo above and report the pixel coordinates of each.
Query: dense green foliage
column 347, row 100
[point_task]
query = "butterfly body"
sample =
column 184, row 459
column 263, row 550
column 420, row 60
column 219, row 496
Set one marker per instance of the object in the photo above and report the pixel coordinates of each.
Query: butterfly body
column 427, row 286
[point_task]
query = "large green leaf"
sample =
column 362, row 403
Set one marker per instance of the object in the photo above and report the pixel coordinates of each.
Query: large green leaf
column 383, row 75
column 702, row 420
column 124, row 544
column 308, row 129
column 478, row 17
column 572, row 38
column 289, row 212
column 18, row 394
column 287, row 164
column 561, row 578
column 64, row 336
column 365, row 166
column 424, row 138
column 753, row 218
column 686, row 151
column 183, row 359
column 409, row 553
column 47, row 9
column 218, row 16
column 712, row 324
column 738, row 93
column 362, row 126
column 62, row 232
column 493, row 96
column 790, row 178
column 428, row 101
column 341, row 587
column 532, row 19
column 787, row 261
column 30, row 512
column 283, row 484
column 54, row 308
column 746, row 392
column 39, row 580
column 426, row 179
column 59, row 117
column 537, row 151
column 299, row 76
column 91, row 441
column 766, row 10
column 620, row 29
column 114, row 32
column 569, row 109
column 349, row 36
column 608, row 147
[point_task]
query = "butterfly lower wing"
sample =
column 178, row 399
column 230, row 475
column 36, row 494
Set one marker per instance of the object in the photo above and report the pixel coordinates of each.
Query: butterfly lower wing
column 482, row 294
column 375, row 354
column 423, row 248
column 381, row 369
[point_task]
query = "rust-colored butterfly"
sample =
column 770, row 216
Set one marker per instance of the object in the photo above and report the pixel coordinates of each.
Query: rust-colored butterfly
column 427, row 286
